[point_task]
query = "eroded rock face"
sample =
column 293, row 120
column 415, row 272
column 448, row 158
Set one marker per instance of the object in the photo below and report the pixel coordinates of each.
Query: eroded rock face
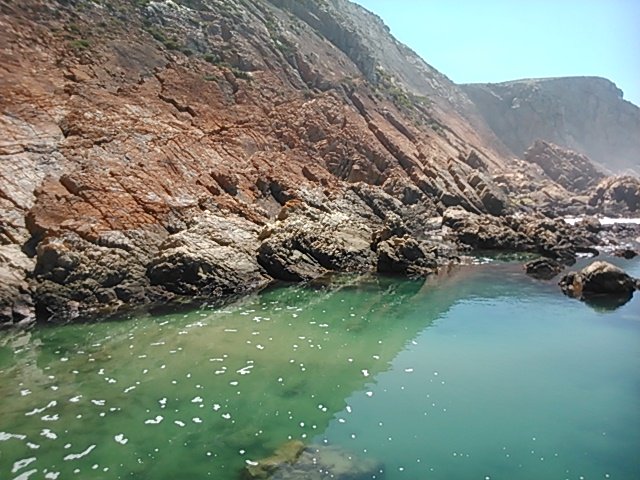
column 16, row 303
column 177, row 150
column 533, row 233
column 215, row 256
column 573, row 171
column 617, row 196
column 307, row 242
column 585, row 114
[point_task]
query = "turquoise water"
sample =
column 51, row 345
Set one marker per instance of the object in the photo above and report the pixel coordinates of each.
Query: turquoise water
column 484, row 373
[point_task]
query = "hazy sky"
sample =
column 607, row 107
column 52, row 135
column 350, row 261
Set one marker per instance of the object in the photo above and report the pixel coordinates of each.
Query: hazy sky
column 498, row 40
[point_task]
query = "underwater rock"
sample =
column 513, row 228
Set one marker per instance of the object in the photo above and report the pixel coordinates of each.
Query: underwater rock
column 294, row 462
column 287, row 454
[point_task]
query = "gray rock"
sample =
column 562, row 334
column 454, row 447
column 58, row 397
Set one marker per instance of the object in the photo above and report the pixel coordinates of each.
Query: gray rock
column 215, row 256
column 598, row 279
column 307, row 242
column 406, row 256
column 543, row 268
column 16, row 305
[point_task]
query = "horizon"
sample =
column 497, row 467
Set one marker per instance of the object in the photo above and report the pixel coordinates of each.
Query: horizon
column 498, row 41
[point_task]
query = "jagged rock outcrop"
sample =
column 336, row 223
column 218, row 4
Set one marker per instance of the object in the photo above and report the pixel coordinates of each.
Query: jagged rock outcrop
column 617, row 195
column 573, row 171
column 585, row 114
column 206, row 148
column 553, row 238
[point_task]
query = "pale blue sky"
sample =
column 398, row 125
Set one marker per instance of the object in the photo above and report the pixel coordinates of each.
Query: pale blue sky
column 499, row 40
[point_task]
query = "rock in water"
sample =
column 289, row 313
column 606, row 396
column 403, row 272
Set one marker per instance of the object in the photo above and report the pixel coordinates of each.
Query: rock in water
column 294, row 462
column 600, row 279
column 543, row 268
column 287, row 454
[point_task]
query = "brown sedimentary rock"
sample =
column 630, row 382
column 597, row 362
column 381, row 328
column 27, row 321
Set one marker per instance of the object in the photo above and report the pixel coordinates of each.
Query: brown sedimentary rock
column 176, row 150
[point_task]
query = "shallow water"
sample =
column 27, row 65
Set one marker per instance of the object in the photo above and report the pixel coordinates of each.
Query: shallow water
column 483, row 374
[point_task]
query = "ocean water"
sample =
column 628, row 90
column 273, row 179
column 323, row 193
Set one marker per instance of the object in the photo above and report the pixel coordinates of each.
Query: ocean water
column 482, row 373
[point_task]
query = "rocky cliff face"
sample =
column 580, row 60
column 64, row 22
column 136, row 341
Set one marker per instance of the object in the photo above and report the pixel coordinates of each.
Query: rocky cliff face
column 585, row 114
column 156, row 150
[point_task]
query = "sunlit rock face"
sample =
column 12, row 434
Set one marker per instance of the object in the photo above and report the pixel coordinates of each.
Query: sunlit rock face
column 160, row 150
column 586, row 114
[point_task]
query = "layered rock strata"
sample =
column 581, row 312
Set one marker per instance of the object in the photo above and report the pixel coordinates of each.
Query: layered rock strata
column 154, row 151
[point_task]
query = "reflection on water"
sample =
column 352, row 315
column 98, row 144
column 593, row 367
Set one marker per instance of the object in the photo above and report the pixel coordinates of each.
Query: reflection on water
column 484, row 374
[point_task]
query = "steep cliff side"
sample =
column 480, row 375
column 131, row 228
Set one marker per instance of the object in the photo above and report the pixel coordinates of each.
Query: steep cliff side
column 154, row 150
column 586, row 114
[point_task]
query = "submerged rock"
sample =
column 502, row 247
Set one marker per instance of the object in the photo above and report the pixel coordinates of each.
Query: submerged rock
column 295, row 462
column 543, row 268
column 287, row 454
column 598, row 280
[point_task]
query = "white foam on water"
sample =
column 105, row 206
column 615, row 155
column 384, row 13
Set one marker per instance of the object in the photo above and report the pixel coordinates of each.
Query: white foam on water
column 605, row 220
column 76, row 456
column 154, row 421
column 25, row 475
column 48, row 434
column 4, row 436
column 20, row 464
column 52, row 403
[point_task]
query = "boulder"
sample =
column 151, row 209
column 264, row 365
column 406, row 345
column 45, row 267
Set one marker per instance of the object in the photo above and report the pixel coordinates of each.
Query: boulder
column 598, row 279
column 627, row 253
column 618, row 195
column 406, row 256
column 307, row 242
column 213, row 257
column 543, row 268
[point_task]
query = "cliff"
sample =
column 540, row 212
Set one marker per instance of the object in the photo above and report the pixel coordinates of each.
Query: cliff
column 160, row 150
column 586, row 114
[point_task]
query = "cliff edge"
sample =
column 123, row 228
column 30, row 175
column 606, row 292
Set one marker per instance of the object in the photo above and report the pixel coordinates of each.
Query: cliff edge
column 585, row 114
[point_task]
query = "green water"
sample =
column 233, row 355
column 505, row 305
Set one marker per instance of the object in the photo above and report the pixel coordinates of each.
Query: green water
column 482, row 374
